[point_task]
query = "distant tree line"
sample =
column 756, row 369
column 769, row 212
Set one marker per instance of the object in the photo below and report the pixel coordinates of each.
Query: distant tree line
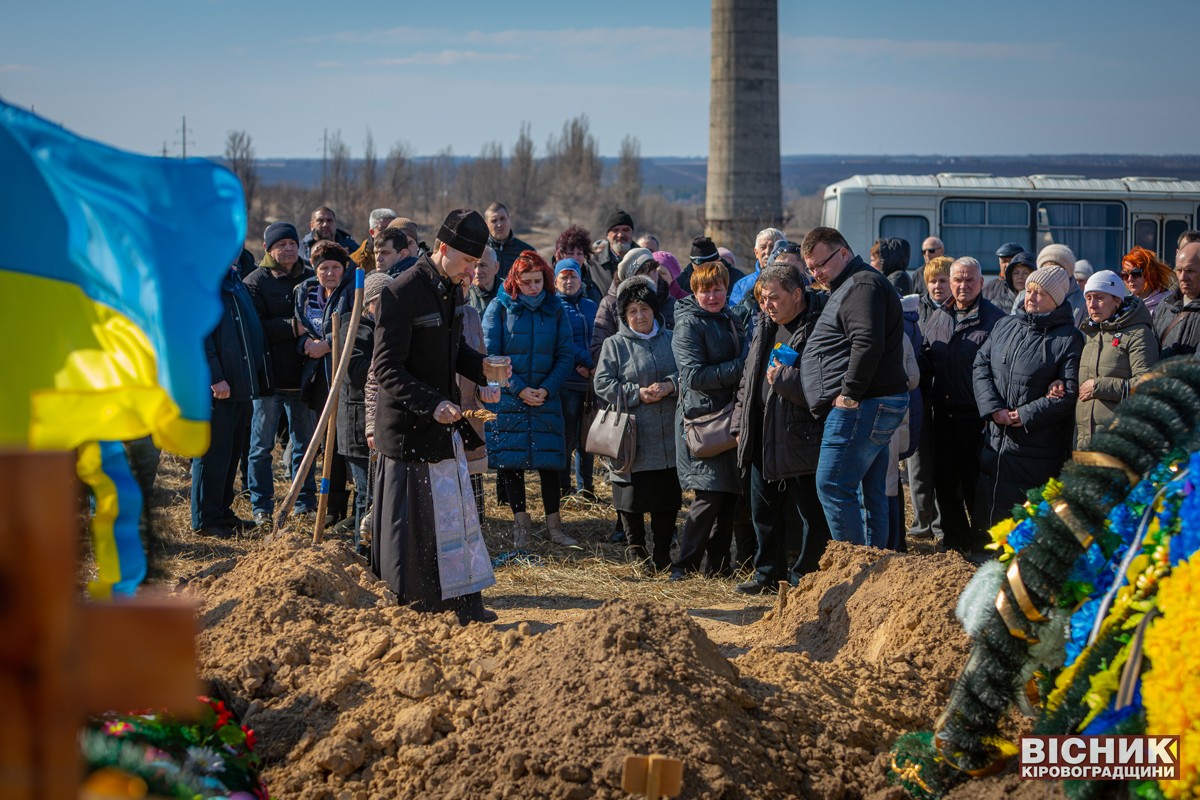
column 565, row 183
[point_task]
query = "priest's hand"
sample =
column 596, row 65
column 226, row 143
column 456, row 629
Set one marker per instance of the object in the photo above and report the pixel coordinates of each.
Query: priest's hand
column 447, row 413
column 489, row 394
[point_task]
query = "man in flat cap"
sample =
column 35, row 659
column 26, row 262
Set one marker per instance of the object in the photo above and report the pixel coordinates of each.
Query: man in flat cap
column 427, row 543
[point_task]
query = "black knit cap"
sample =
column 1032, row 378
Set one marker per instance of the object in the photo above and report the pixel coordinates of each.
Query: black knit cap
column 704, row 250
column 276, row 232
column 465, row 231
column 618, row 217
column 638, row 289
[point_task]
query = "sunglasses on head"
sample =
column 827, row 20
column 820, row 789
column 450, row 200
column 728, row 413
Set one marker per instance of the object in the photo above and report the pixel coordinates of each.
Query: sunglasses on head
column 1133, row 273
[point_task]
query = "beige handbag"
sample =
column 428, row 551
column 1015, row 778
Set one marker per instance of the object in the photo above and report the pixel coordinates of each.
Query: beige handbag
column 709, row 435
column 613, row 436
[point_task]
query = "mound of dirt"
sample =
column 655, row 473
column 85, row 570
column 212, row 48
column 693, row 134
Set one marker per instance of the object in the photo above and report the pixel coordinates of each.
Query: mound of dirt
column 874, row 606
column 354, row 697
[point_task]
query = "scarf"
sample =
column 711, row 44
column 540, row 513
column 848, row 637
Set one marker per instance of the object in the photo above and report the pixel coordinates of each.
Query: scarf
column 653, row 332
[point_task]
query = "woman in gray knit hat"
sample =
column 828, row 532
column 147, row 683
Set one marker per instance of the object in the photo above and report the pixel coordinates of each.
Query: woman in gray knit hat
column 1029, row 432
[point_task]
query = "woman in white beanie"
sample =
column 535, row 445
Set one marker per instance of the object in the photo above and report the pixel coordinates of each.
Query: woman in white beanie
column 1029, row 432
column 1120, row 346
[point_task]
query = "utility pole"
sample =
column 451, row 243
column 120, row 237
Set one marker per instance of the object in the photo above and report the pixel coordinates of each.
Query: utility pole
column 183, row 132
column 164, row 148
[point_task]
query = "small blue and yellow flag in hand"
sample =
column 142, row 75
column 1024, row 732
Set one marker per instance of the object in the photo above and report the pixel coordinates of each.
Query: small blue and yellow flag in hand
column 109, row 272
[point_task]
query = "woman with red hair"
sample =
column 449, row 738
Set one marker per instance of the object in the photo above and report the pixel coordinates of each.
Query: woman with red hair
column 1147, row 278
column 528, row 323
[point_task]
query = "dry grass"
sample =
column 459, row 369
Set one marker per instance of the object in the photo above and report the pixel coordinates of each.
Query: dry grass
column 551, row 577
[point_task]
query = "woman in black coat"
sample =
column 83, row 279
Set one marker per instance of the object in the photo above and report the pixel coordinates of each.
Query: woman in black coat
column 710, row 351
column 1029, row 431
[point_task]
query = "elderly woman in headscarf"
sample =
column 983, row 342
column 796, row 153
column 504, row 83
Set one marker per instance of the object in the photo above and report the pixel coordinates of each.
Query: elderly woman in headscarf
column 638, row 261
column 1029, row 431
column 1120, row 347
column 636, row 370
column 1146, row 277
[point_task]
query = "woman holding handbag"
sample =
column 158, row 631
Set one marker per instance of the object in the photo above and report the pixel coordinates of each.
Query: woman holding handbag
column 636, row 371
column 711, row 352
column 527, row 323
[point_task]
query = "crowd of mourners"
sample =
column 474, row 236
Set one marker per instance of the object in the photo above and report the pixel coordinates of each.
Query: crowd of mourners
column 842, row 379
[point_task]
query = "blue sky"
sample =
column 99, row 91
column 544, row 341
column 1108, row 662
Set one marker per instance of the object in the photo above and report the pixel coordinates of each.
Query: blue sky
column 856, row 76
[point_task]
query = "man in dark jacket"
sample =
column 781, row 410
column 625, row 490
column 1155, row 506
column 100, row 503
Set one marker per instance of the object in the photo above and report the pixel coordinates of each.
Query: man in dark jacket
column 427, row 544
column 999, row 290
column 953, row 336
column 486, row 283
column 853, row 375
column 239, row 372
column 619, row 233
column 502, row 240
column 1177, row 318
column 352, row 405
column 323, row 226
column 779, row 441
column 272, row 287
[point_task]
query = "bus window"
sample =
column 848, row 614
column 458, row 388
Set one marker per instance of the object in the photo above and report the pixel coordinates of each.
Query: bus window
column 1095, row 231
column 1172, row 230
column 913, row 230
column 977, row 228
column 1145, row 234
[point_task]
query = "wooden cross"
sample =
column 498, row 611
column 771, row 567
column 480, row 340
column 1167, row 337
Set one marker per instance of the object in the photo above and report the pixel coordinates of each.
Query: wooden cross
column 62, row 658
column 653, row 776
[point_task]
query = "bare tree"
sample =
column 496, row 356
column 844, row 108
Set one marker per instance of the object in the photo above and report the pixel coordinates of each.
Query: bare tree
column 482, row 180
column 368, row 174
column 627, row 189
column 398, row 174
column 524, row 189
column 239, row 153
column 341, row 174
column 575, row 168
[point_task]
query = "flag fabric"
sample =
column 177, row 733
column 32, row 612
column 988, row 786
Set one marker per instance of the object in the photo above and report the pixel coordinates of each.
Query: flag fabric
column 115, row 524
column 110, row 271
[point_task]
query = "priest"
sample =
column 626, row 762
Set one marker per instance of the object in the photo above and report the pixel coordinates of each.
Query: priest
column 427, row 543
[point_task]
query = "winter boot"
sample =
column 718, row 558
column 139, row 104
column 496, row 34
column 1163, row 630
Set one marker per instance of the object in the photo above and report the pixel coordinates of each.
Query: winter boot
column 554, row 525
column 522, row 530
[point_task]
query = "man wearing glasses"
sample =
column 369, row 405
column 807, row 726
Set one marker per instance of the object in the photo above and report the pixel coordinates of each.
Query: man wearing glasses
column 1177, row 319
column 932, row 248
column 853, row 375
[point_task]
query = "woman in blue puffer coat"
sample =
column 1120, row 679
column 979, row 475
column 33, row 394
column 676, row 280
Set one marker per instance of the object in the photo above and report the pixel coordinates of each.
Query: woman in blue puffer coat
column 528, row 323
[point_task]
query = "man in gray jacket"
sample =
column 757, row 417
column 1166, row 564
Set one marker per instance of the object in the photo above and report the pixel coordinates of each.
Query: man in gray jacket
column 853, row 376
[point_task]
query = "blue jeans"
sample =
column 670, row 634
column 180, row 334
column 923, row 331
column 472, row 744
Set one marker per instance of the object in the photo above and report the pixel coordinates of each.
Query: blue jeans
column 572, row 406
column 360, row 467
column 852, row 470
column 263, row 425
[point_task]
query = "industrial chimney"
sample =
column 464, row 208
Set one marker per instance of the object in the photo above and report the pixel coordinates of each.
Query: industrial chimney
column 743, row 193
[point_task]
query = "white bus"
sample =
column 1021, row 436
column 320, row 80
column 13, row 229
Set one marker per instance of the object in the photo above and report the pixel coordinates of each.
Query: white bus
column 975, row 213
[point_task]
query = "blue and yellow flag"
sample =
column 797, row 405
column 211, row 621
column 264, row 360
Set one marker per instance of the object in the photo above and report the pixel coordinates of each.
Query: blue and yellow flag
column 110, row 265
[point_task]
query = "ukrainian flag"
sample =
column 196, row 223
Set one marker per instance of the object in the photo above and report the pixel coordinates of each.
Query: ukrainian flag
column 110, row 265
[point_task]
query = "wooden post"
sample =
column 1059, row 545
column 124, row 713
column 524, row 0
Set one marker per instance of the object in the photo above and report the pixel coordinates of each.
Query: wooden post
column 343, row 364
column 63, row 659
column 653, row 776
column 330, row 438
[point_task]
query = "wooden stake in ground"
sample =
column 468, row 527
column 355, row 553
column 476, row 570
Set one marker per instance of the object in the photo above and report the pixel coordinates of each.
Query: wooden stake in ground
column 310, row 453
column 61, row 658
column 330, row 438
column 653, row 776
